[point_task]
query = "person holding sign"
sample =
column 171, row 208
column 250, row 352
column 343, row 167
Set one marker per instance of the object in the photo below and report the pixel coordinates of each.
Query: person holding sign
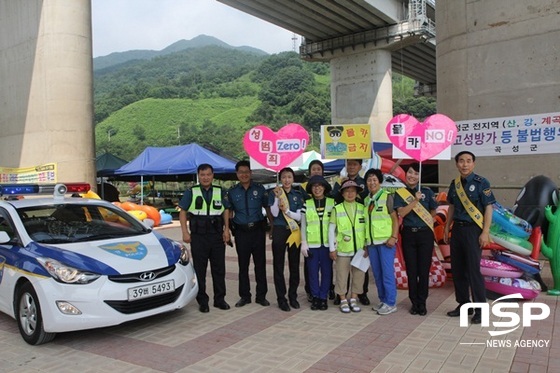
column 285, row 205
column 416, row 205
column 470, row 209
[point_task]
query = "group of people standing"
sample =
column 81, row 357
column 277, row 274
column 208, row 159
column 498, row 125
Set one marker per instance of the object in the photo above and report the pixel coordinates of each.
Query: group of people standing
column 335, row 228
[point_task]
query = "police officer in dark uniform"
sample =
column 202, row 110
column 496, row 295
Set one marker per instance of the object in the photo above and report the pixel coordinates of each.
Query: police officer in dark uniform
column 245, row 202
column 417, row 236
column 353, row 167
column 202, row 207
column 471, row 231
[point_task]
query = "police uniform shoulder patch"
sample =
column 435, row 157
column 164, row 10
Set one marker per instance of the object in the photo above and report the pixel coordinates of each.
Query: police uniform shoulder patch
column 487, row 192
column 478, row 178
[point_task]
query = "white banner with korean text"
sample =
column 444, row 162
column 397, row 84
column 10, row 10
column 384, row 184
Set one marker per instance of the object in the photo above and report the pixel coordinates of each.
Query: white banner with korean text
column 524, row 134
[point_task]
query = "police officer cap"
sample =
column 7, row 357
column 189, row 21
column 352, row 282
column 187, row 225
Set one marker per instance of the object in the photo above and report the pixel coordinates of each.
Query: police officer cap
column 351, row 183
column 317, row 179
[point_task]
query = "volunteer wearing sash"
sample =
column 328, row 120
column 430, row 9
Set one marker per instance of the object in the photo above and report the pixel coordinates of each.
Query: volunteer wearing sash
column 347, row 231
column 470, row 209
column 285, row 205
column 315, row 240
column 416, row 207
column 202, row 205
column 382, row 235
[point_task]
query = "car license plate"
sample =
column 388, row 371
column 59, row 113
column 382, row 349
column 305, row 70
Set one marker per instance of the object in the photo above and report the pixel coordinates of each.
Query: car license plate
column 151, row 290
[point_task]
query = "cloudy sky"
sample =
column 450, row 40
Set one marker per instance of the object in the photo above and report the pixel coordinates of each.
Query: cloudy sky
column 121, row 25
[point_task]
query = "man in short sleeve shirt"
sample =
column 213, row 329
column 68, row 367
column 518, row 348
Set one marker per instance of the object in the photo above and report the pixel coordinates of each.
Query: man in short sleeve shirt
column 471, row 231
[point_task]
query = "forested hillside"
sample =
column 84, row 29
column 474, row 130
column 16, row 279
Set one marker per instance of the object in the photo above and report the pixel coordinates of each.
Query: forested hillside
column 212, row 95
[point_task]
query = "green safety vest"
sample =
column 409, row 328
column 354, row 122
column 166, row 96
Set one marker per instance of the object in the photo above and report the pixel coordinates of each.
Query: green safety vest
column 317, row 230
column 216, row 207
column 379, row 219
column 350, row 238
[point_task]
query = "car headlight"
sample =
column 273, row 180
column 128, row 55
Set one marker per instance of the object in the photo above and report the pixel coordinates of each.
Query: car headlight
column 67, row 274
column 185, row 257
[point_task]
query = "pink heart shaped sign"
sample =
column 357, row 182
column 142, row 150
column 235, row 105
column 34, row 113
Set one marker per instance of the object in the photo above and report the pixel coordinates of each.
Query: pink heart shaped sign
column 276, row 150
column 424, row 140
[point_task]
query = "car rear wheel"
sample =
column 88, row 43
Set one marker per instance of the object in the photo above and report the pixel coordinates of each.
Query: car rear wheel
column 29, row 318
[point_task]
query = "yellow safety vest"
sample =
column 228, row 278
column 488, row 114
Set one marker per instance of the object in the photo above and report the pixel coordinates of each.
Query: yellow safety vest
column 216, row 207
column 317, row 231
column 351, row 235
column 380, row 223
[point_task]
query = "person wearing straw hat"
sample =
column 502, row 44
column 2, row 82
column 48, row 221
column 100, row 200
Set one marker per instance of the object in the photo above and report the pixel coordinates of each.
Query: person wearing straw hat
column 353, row 168
column 314, row 240
column 347, row 235
column 417, row 207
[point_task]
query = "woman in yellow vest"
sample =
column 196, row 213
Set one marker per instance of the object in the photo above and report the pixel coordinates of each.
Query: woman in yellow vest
column 382, row 233
column 314, row 240
column 347, row 234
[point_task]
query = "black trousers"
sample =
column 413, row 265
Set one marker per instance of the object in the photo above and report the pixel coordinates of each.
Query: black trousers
column 465, row 264
column 417, row 252
column 279, row 247
column 247, row 244
column 209, row 247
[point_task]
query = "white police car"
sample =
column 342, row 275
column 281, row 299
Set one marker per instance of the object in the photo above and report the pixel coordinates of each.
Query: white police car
column 71, row 263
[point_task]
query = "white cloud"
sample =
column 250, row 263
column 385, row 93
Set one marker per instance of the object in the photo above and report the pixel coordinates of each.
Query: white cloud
column 121, row 25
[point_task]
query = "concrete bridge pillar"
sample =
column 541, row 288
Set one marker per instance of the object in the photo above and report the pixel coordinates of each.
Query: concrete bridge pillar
column 46, row 100
column 361, row 90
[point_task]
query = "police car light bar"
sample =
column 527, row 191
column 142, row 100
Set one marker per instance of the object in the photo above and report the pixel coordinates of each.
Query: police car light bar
column 17, row 189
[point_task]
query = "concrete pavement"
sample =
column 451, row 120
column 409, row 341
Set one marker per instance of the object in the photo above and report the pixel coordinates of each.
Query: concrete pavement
column 257, row 339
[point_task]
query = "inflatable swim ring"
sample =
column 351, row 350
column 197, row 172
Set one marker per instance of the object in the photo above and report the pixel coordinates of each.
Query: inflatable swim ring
column 505, row 286
column 510, row 242
column 510, row 223
column 530, row 269
column 494, row 268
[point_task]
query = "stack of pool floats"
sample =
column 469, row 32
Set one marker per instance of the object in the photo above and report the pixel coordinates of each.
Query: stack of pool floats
column 513, row 265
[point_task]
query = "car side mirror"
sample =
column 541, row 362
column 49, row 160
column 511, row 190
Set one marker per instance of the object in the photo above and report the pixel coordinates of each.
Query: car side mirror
column 4, row 237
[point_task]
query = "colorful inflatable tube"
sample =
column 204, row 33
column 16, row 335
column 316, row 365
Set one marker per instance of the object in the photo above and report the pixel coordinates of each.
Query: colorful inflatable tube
column 510, row 223
column 514, row 243
column 523, row 266
column 505, row 286
column 494, row 268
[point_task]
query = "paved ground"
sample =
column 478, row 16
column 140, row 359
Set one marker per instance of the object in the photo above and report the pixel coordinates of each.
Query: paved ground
column 265, row 339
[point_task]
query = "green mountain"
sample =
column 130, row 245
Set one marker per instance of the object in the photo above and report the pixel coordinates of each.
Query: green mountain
column 119, row 58
column 207, row 92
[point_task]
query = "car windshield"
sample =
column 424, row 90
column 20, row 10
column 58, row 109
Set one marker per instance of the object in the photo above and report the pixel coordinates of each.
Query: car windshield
column 66, row 223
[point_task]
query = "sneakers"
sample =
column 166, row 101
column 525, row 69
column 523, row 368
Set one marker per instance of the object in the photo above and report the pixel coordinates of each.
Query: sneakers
column 386, row 309
column 378, row 307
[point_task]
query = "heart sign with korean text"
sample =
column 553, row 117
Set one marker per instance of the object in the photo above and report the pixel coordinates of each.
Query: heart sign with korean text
column 423, row 140
column 276, row 150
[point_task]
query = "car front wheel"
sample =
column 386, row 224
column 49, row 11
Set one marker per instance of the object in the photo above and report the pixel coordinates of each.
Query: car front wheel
column 28, row 314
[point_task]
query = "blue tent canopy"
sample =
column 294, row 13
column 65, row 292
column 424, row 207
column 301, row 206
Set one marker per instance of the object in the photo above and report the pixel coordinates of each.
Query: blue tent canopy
column 175, row 160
